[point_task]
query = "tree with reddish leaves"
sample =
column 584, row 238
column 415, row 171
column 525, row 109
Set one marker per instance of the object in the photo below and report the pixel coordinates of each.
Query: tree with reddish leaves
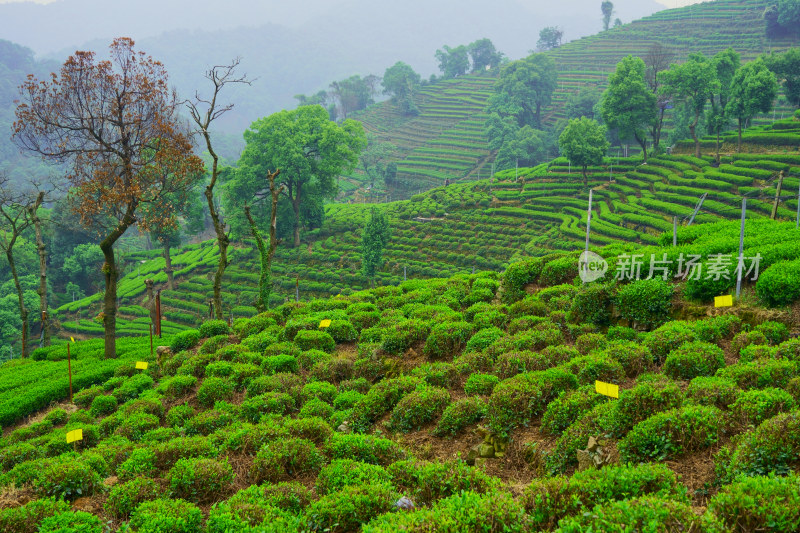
column 115, row 124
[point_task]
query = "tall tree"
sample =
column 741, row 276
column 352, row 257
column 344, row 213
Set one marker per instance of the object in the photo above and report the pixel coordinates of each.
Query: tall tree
column 584, row 143
column 401, row 82
column 628, row 105
column 351, row 94
column 607, row 8
column 35, row 220
column 116, row 124
column 523, row 88
column 484, row 55
column 453, row 62
column 582, row 103
column 373, row 242
column 725, row 63
column 375, row 159
column 310, row 150
column 693, row 82
column 204, row 112
column 786, row 67
column 753, row 90
column 266, row 252
column 13, row 221
column 549, row 38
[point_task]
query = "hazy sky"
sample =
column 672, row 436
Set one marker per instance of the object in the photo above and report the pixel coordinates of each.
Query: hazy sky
column 668, row 3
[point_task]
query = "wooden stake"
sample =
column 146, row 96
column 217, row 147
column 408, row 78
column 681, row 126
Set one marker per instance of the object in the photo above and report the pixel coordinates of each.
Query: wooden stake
column 151, row 340
column 674, row 231
column 69, row 370
column 777, row 196
column 741, row 251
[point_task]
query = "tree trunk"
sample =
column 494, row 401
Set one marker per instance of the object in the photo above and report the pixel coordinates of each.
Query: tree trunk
column 693, row 131
column 717, row 158
column 222, row 241
column 41, row 249
column 739, row 143
column 168, row 266
column 23, row 311
column 296, row 208
column 585, row 178
column 111, row 276
column 643, row 144
column 264, row 278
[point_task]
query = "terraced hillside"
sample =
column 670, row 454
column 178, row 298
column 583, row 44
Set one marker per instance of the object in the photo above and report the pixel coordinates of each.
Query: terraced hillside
column 447, row 141
column 477, row 403
column 482, row 225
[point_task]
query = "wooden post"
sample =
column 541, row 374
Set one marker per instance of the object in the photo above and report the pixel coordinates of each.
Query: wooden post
column 69, row 370
column 158, row 313
column 151, row 340
column 777, row 196
column 404, row 272
column 740, row 261
column 697, row 208
column 674, row 231
column 296, row 289
column 797, row 222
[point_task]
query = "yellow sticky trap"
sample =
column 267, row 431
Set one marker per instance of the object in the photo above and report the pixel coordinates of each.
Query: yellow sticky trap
column 723, row 301
column 141, row 365
column 72, row 339
column 606, row 389
column 325, row 323
column 74, row 435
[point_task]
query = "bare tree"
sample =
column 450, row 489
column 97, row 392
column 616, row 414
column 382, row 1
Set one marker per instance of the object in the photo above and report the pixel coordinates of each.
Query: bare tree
column 657, row 59
column 204, row 111
column 36, row 220
column 13, row 221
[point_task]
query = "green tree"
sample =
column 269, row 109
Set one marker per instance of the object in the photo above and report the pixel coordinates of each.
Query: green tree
column 584, row 143
column 401, row 83
column 351, row 94
column 266, row 252
column 786, row 67
column 375, row 159
column 583, row 103
column 523, row 88
column 484, row 55
column 373, row 242
column 789, row 13
column 657, row 59
column 310, row 150
column 693, row 82
column 549, row 38
column 753, row 90
column 525, row 147
column 453, row 62
column 725, row 63
column 628, row 105
column 607, row 8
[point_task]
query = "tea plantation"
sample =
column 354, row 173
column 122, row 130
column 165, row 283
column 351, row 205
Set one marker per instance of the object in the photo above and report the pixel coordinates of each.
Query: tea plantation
column 465, row 403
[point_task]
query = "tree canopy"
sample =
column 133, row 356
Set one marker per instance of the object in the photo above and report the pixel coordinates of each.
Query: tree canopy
column 523, row 88
column 309, row 149
column 584, row 143
column 401, row 83
column 753, row 90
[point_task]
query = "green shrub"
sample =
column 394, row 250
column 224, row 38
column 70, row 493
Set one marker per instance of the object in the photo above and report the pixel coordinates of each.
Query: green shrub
column 289, row 495
column 321, row 390
column 694, row 359
column 419, row 407
column 517, row 275
column 747, row 338
column 589, row 342
column 342, row 331
column 380, row 399
column 492, row 318
column 85, row 397
column 705, row 288
column 71, row 521
column 591, row 368
column 349, row 508
column 103, row 405
column 212, row 328
column 672, row 433
column 465, row 511
column 645, row 302
column 779, row 284
column 460, row 414
column 774, row 446
column 760, row 373
column 200, row 480
column 754, row 406
column 426, row 482
column 309, row 358
column 648, row 513
column 592, row 304
column 277, row 403
column 714, row 391
column 568, row 407
column 185, row 340
column 314, row 429
column 135, row 426
column 315, row 340
column 248, row 510
column 178, row 415
column 621, row 333
column 364, row 448
column 667, row 338
column 443, row 375
column 167, row 516
column 789, row 350
column 177, row 386
column 755, row 504
column 286, row 459
column 316, row 408
column 280, row 363
column 634, row 357
column 559, row 271
column 69, row 479
column 482, row 384
column 213, row 390
column 517, row 400
column 776, row 332
column 26, row 518
column 211, row 420
column 125, row 497
column 549, row 500
column 483, row 339
column 132, row 387
column 141, row 462
column 341, row 473
column 212, row 344
column 403, row 336
column 347, row 399
column 642, row 401
column 169, row 452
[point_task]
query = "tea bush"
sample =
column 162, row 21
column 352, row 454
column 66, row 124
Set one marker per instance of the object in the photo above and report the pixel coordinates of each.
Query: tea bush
column 364, row 448
column 568, row 407
column 200, row 480
column 185, row 340
column 26, row 518
column 694, row 359
column 125, row 497
column 443, row 375
column 175, row 516
column 103, row 405
column 482, row 384
column 68, row 479
column 341, row 473
column 668, row 337
column 315, row 340
column 418, row 407
column 640, row 514
column 212, row 328
column 754, row 406
column 69, row 521
column 141, row 462
column 715, row 391
column 426, row 482
column 350, row 507
column 247, row 510
column 634, row 357
column 286, row 459
column 772, row 447
column 460, row 414
column 646, row 302
column 755, row 504
column 760, row 373
column 213, row 390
